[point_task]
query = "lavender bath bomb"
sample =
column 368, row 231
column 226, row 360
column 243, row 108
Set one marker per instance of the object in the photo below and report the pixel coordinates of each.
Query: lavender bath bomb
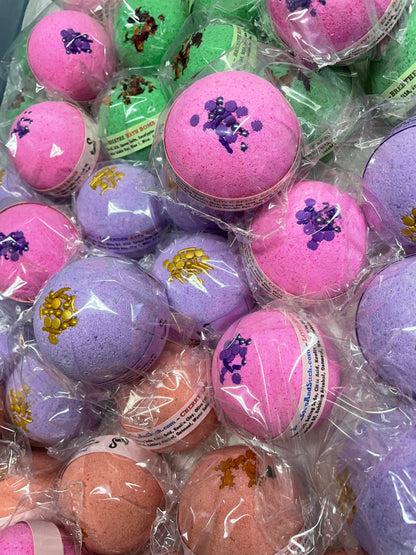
column 101, row 319
column 204, row 279
column 385, row 324
column 117, row 214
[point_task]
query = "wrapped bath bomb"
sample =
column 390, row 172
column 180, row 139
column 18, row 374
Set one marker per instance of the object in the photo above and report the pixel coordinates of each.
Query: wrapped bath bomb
column 168, row 411
column 71, row 53
column 235, row 481
column 385, row 325
column 330, row 32
column 128, row 115
column 203, row 279
column 388, row 186
column 117, row 214
column 54, row 146
column 41, row 405
column 274, row 374
column 36, row 241
column 35, row 537
column 144, row 29
column 101, row 319
column 310, row 243
column 111, row 489
column 231, row 140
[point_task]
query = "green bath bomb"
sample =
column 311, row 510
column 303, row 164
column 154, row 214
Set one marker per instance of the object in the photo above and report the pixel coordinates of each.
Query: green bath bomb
column 128, row 116
column 144, row 29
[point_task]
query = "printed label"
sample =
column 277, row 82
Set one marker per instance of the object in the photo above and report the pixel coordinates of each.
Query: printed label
column 403, row 86
column 257, row 273
column 315, row 378
column 47, row 539
column 242, row 51
column 320, row 147
column 114, row 444
column 127, row 244
column 137, row 137
column 178, row 426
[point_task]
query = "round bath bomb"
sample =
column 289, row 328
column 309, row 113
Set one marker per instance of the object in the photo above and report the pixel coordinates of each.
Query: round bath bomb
column 41, row 405
column 129, row 113
column 387, row 186
column 310, row 243
column 274, row 374
column 111, row 488
column 144, row 29
column 385, row 325
column 200, row 48
column 232, row 140
column 36, row 537
column 330, row 32
column 101, row 319
column 61, row 143
column 36, row 241
column 167, row 411
column 117, row 214
column 204, row 279
column 71, row 53
column 235, row 481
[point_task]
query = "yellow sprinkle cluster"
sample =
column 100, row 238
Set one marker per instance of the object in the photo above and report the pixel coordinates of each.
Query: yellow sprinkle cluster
column 106, row 179
column 247, row 463
column 187, row 263
column 19, row 407
column 1, row 178
column 410, row 230
column 58, row 310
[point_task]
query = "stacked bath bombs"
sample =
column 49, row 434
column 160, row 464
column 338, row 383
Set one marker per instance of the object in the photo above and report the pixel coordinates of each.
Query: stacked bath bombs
column 190, row 280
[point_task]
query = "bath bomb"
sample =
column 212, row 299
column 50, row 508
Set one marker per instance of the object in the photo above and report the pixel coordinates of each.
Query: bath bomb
column 234, row 481
column 387, row 186
column 101, row 319
column 168, row 411
column 61, row 143
column 200, row 48
column 111, row 489
column 385, row 325
column 117, row 214
column 144, row 29
column 274, row 374
column 36, row 537
column 310, row 243
column 232, row 140
column 41, row 405
column 128, row 115
column 71, row 53
column 204, row 280
column 36, row 241
column 327, row 32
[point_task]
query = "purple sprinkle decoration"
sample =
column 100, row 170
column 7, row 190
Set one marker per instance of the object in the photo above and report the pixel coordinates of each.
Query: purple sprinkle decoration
column 241, row 111
column 76, row 43
column 256, row 125
column 231, row 106
column 194, row 120
column 235, row 348
column 210, row 105
column 13, row 246
column 319, row 224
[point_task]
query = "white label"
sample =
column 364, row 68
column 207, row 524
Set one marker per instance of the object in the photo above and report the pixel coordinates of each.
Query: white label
column 257, row 273
column 137, row 137
column 242, row 51
column 123, row 446
column 403, row 86
column 178, row 426
column 315, row 373
column 47, row 539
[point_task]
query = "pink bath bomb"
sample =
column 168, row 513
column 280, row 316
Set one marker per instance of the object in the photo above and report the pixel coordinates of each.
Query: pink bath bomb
column 114, row 496
column 54, row 146
column 274, row 374
column 168, row 411
column 35, row 538
column 71, row 53
column 330, row 31
column 310, row 243
column 223, row 506
column 36, row 241
column 232, row 140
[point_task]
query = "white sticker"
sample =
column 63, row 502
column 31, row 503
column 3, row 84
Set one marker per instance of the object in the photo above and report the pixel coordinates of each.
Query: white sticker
column 403, row 86
column 47, row 539
column 242, row 51
column 178, row 426
column 134, row 138
column 123, row 446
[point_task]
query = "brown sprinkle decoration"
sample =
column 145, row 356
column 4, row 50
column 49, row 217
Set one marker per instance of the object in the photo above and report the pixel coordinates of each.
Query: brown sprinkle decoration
column 247, row 463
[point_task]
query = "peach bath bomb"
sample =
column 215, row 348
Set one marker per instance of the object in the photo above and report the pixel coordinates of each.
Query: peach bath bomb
column 111, row 489
column 311, row 242
column 274, row 374
column 168, row 410
column 223, row 506
column 54, row 146
column 231, row 140
column 35, row 537
column 71, row 53
column 36, row 242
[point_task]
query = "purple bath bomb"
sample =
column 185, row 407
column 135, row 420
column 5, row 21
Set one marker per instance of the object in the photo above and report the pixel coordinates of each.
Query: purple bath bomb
column 40, row 404
column 385, row 324
column 388, row 186
column 204, row 279
column 101, row 319
column 117, row 214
